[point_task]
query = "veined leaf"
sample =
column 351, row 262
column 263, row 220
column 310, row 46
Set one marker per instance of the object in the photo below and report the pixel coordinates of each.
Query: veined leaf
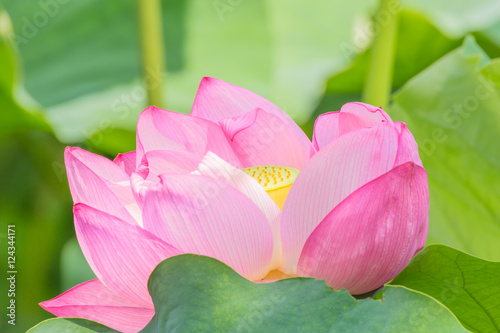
column 200, row 294
column 468, row 286
column 453, row 110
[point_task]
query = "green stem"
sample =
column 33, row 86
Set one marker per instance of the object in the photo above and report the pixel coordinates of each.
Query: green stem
column 378, row 83
column 152, row 49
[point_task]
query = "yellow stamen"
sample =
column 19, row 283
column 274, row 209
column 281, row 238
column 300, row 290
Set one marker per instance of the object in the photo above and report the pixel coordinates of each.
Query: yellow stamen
column 276, row 180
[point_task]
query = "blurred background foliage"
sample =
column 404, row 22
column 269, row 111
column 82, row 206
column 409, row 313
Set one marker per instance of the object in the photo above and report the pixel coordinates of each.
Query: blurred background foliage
column 70, row 74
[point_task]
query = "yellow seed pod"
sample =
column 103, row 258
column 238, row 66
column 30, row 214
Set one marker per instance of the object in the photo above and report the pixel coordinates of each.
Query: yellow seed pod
column 276, row 180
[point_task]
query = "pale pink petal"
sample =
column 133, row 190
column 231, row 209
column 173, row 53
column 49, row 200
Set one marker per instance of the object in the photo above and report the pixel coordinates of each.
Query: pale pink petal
column 326, row 129
column 100, row 165
column 159, row 129
column 331, row 175
column 139, row 187
column 215, row 167
column 123, row 192
column 165, row 161
column 352, row 116
column 235, row 124
column 356, row 115
column 114, row 177
column 371, row 235
column 408, row 148
column 202, row 215
column 126, row 162
column 261, row 138
column 216, row 100
column 156, row 162
column 88, row 185
column 121, row 255
column 94, row 301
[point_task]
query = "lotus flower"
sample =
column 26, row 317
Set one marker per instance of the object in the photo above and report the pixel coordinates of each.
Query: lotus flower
column 239, row 181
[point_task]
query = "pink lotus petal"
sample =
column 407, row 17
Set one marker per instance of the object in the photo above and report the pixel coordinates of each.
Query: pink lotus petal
column 326, row 129
column 352, row 116
column 206, row 216
column 140, row 187
column 98, row 182
column 261, row 138
column 216, row 100
column 126, row 162
column 94, row 301
column 356, row 115
column 100, row 165
column 165, row 161
column 331, row 175
column 370, row 236
column 121, row 255
column 159, row 129
column 408, row 148
column 423, row 238
column 156, row 162
column 215, row 167
column 425, row 229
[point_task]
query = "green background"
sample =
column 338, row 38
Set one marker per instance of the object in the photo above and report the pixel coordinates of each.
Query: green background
column 70, row 74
